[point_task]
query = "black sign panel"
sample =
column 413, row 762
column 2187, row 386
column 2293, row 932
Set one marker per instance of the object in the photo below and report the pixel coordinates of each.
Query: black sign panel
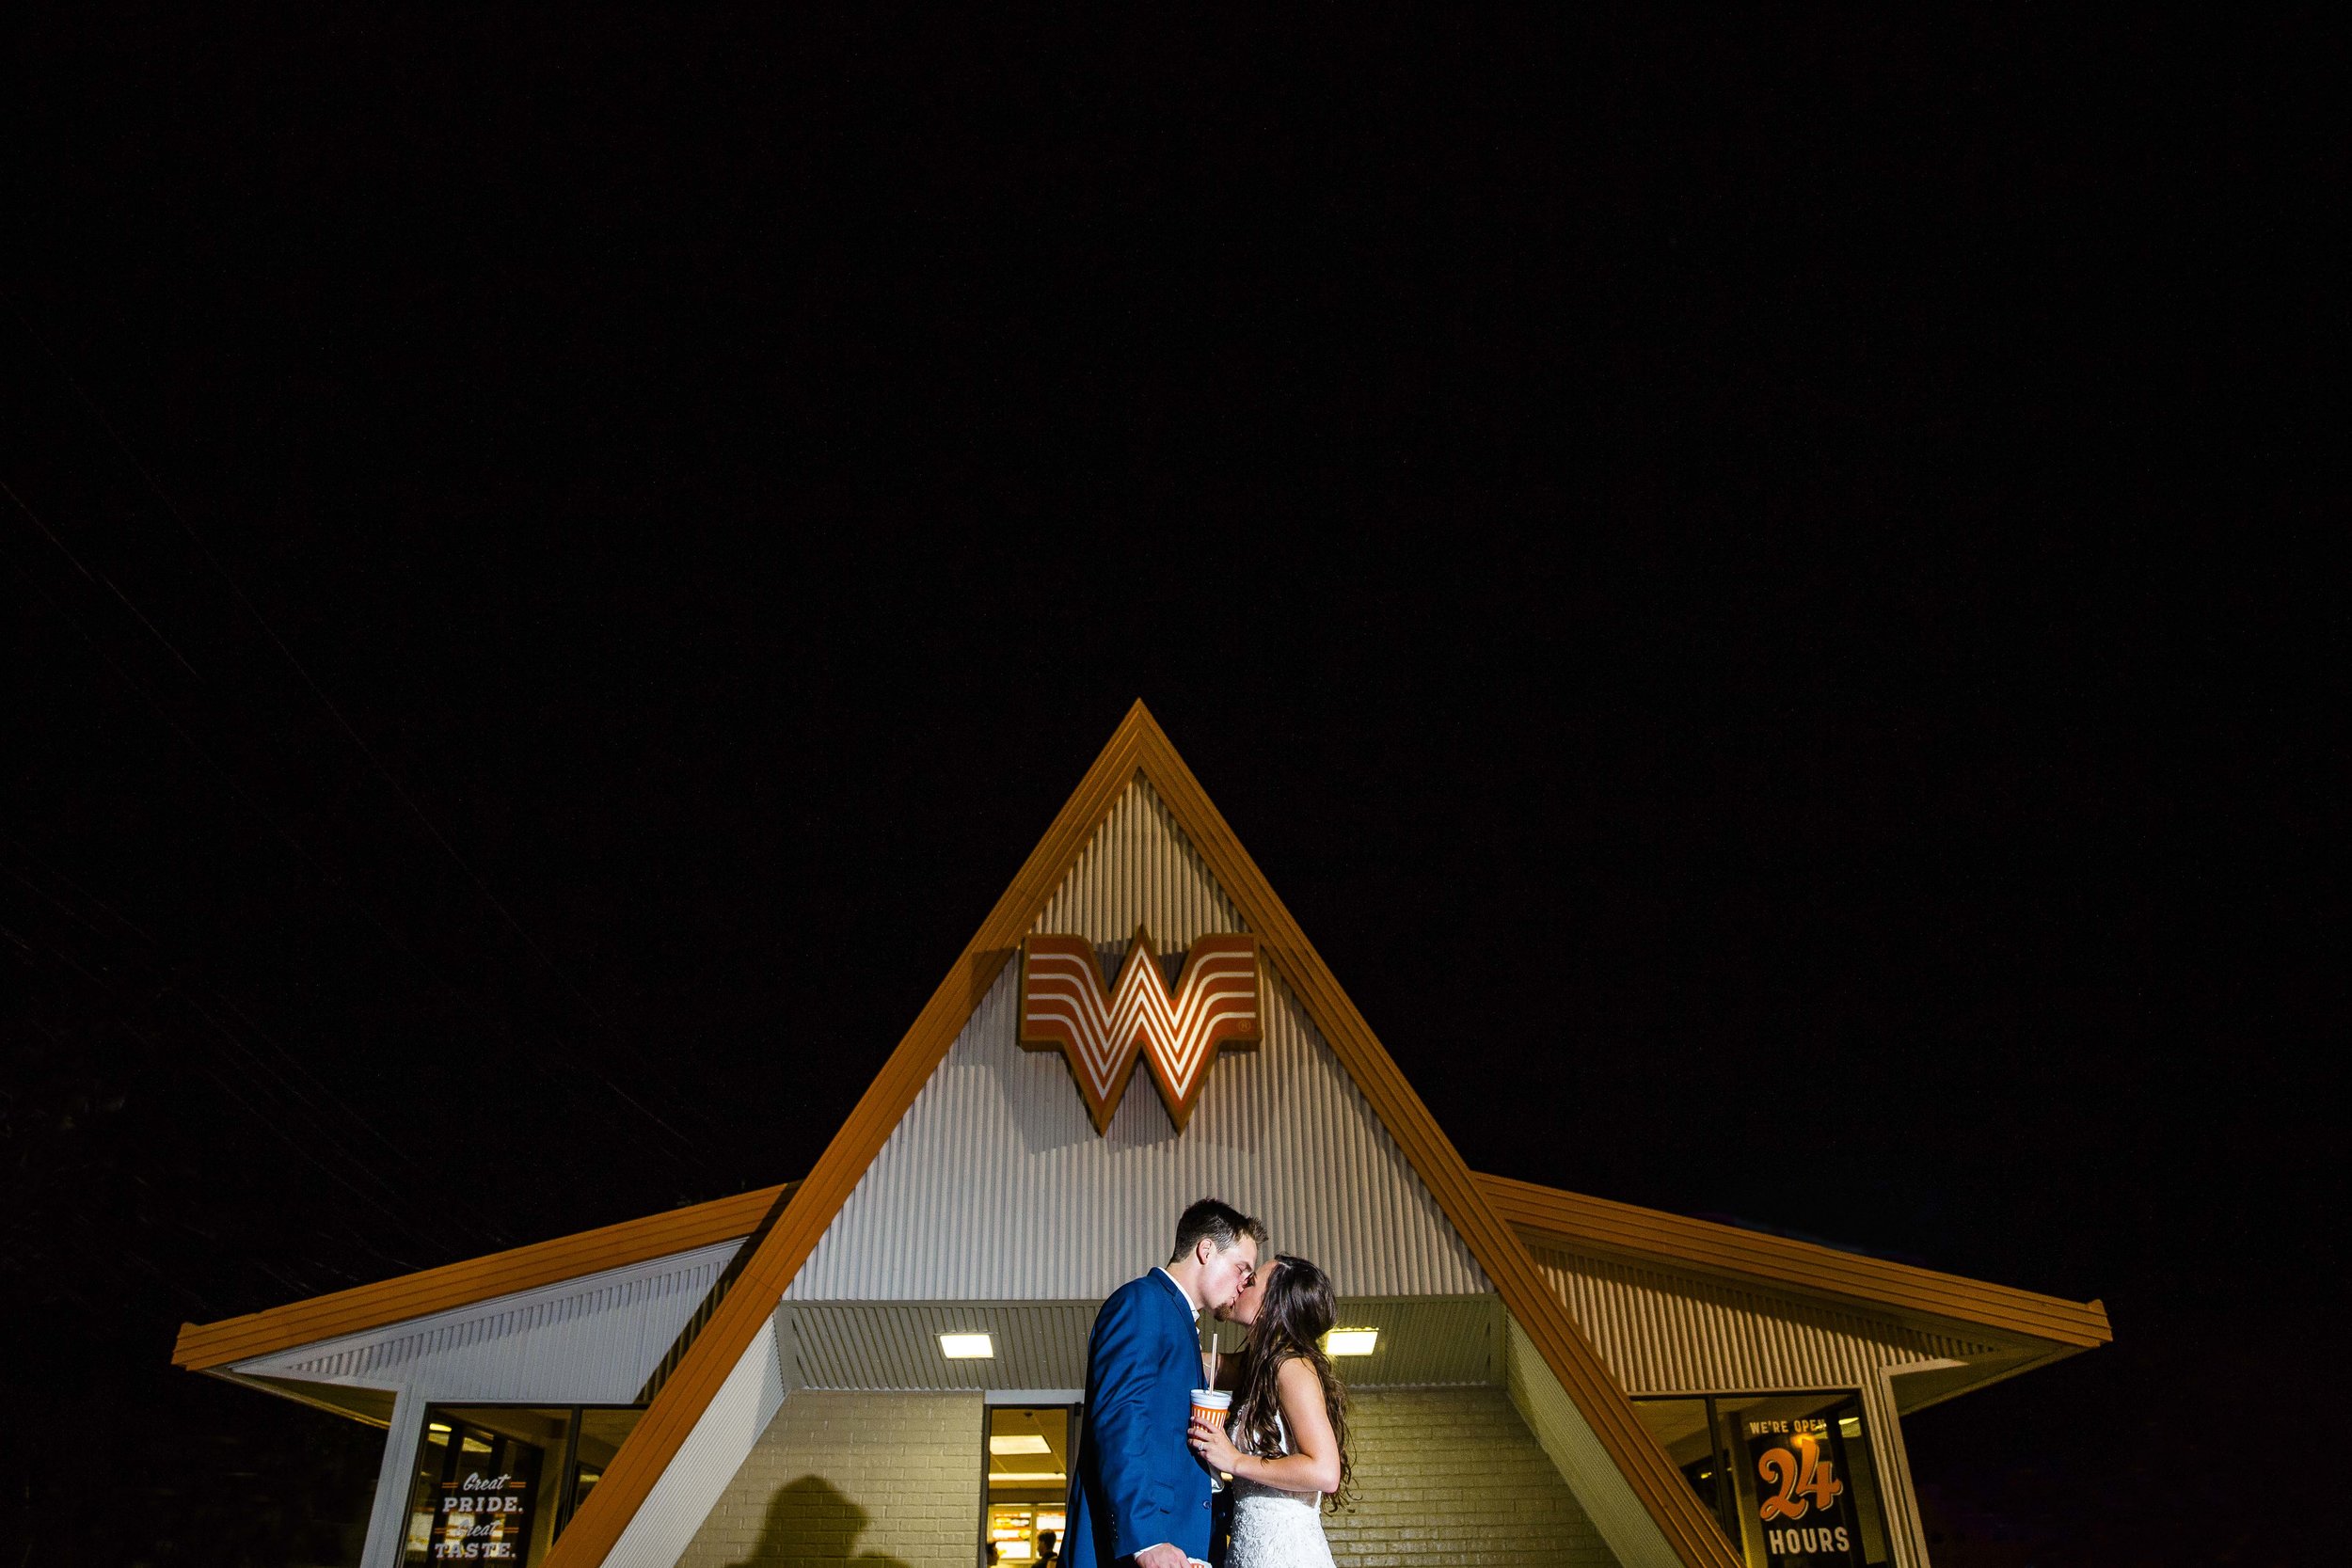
column 1804, row 1503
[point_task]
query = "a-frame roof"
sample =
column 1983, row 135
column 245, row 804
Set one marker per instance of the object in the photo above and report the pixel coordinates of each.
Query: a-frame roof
column 1539, row 1216
column 1138, row 747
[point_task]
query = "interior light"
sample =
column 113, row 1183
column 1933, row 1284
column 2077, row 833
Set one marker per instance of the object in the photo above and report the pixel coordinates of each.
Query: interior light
column 1027, row 1477
column 967, row 1347
column 1351, row 1341
column 441, row 1427
column 1850, row 1426
column 1020, row 1442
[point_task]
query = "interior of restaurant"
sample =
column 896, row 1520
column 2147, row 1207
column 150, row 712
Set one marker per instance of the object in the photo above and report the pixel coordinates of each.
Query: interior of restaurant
column 1029, row 1481
column 499, row 1483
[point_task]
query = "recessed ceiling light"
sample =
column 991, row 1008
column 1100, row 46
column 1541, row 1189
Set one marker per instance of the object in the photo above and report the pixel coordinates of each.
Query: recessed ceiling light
column 1020, row 1442
column 967, row 1347
column 1350, row 1342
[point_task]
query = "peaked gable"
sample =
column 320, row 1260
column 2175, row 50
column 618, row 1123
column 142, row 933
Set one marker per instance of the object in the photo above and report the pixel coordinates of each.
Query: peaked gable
column 994, row 1186
column 1656, row 1503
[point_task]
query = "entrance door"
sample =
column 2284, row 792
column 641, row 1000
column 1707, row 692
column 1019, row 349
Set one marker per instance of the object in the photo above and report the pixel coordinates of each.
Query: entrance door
column 1028, row 1452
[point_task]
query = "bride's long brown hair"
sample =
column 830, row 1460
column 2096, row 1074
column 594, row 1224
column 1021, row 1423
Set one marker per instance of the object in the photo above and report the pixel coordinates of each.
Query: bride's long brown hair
column 1293, row 1317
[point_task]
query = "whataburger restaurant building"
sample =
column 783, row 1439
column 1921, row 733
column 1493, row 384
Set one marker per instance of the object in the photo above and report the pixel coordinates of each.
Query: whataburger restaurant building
column 883, row 1360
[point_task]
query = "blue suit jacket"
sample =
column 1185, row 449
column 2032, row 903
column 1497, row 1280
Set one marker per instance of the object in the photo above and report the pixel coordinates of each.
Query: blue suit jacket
column 1138, row 1482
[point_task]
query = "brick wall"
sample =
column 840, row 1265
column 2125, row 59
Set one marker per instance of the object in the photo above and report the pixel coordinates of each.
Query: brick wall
column 1447, row 1475
column 891, row 1481
column 1443, row 1476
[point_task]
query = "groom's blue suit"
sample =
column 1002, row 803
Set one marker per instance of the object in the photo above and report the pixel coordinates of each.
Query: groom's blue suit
column 1137, row 1483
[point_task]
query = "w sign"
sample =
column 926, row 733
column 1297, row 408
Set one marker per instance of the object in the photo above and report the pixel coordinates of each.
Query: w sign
column 1064, row 1007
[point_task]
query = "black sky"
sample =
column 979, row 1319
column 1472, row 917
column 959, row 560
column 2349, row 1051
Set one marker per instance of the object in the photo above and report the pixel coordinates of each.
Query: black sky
column 1756, row 591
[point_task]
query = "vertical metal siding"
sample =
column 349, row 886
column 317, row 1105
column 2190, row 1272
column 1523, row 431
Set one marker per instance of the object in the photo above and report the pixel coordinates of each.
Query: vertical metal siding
column 387, row 1515
column 698, row 1474
column 1139, row 869
column 996, row 1186
column 592, row 1339
column 1664, row 1332
column 999, row 1188
column 1576, row 1450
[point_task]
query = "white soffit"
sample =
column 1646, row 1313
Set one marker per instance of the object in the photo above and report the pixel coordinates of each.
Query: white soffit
column 1664, row 1331
column 878, row 1345
column 595, row 1340
column 996, row 1187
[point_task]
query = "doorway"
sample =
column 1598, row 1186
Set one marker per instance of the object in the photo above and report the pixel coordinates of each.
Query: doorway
column 1028, row 1451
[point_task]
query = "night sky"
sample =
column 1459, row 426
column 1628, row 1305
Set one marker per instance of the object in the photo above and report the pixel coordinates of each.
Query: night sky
column 1753, row 590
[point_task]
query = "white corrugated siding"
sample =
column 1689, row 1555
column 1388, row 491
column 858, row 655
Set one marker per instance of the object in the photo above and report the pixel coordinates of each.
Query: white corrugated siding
column 595, row 1340
column 696, row 1476
column 996, row 1187
column 1139, row 869
column 1583, row 1462
column 1664, row 1332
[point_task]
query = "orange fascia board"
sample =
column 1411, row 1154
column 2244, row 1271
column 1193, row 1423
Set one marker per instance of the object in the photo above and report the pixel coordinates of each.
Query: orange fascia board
column 1137, row 747
column 1547, row 1214
column 203, row 1346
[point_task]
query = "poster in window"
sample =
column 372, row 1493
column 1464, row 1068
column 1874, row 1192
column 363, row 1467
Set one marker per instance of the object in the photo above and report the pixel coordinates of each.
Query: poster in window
column 1805, row 1500
column 484, row 1518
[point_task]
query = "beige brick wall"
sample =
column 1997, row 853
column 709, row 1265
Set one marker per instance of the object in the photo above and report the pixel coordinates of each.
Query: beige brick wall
column 1443, row 1476
column 890, row 1481
column 1449, row 1476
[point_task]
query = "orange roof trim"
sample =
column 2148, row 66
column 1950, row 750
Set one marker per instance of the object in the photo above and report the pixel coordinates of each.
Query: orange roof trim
column 203, row 1346
column 1548, row 1213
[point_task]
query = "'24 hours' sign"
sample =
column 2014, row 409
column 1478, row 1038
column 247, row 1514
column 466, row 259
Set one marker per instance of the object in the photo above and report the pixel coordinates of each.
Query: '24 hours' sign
column 1802, row 1502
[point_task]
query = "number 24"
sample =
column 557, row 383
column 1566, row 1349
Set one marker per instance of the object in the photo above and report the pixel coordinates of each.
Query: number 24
column 1813, row 1476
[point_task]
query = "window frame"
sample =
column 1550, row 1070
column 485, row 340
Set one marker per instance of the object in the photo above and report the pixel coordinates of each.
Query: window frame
column 562, row 1494
column 1726, row 1505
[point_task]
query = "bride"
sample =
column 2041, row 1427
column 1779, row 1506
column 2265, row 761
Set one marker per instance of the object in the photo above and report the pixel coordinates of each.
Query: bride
column 1286, row 1446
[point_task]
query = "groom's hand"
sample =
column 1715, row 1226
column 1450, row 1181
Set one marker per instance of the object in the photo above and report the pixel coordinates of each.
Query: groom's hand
column 1161, row 1556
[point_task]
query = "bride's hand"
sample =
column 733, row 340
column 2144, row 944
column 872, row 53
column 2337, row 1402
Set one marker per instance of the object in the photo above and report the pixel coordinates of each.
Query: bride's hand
column 1216, row 1449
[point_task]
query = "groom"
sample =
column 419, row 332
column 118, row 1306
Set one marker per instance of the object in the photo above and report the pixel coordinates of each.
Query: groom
column 1138, row 1495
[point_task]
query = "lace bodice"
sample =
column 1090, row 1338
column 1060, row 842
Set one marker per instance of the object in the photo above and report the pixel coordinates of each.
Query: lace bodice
column 1274, row 1529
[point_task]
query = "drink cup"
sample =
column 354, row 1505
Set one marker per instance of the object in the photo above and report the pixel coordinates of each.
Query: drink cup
column 1213, row 1405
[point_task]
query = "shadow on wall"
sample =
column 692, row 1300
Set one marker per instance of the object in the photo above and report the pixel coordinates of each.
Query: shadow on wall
column 812, row 1520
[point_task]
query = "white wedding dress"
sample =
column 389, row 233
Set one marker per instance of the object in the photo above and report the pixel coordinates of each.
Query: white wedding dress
column 1274, row 1529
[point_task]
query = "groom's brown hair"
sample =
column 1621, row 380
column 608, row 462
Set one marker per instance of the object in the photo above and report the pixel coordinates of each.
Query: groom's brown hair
column 1220, row 1222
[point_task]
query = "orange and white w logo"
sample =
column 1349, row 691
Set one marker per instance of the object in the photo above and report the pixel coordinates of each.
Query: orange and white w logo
column 1063, row 1007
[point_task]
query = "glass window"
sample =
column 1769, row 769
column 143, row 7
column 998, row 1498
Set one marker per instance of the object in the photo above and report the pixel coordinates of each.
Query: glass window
column 1790, row 1476
column 1028, row 1482
column 1686, row 1429
column 498, row 1482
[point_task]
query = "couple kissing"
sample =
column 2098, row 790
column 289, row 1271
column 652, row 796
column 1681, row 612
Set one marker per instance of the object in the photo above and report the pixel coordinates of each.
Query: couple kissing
column 1146, row 1488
